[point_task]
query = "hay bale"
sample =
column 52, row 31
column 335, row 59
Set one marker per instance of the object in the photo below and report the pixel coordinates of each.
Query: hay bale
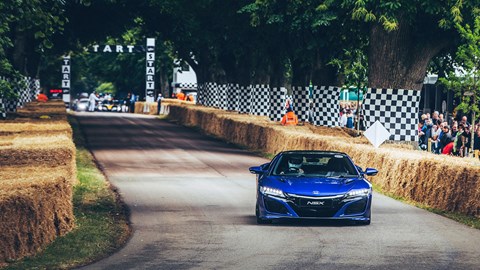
column 36, row 207
column 443, row 182
column 56, row 149
column 36, row 128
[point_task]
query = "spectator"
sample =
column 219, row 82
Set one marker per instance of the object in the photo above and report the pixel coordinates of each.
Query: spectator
column 133, row 99
column 422, row 139
column 435, row 133
column 445, row 137
column 92, row 99
column 476, row 142
column 42, row 97
column 466, row 140
column 289, row 119
column 349, row 123
column 464, row 121
column 440, row 118
column 458, row 143
column 159, row 102
column 435, row 118
column 343, row 118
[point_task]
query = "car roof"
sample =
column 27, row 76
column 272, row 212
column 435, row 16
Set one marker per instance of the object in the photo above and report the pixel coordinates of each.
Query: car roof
column 313, row 152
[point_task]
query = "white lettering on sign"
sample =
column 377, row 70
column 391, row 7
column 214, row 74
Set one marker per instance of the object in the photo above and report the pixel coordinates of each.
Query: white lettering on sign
column 150, row 85
column 107, row 48
column 66, row 62
column 66, row 76
column 65, row 69
column 150, row 63
column 130, row 48
column 149, row 77
column 66, row 83
column 95, row 48
column 119, row 48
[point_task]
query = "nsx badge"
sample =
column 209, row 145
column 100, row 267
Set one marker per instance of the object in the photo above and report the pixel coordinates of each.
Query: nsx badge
column 315, row 203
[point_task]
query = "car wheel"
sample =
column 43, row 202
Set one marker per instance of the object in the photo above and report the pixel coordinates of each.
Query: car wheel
column 259, row 219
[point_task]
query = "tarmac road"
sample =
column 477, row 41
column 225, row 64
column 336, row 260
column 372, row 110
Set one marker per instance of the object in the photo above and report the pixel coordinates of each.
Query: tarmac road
column 192, row 204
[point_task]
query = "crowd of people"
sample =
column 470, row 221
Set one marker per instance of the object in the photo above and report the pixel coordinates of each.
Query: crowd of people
column 452, row 137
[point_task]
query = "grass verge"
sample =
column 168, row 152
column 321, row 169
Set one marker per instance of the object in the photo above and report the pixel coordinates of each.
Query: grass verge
column 470, row 221
column 100, row 218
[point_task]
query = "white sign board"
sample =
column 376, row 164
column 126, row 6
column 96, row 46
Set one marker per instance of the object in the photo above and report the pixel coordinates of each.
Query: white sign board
column 377, row 134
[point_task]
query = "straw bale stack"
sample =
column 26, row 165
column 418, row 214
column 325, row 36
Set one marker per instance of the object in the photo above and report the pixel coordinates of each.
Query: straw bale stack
column 57, row 149
column 140, row 106
column 36, row 207
column 52, row 127
column 442, row 182
column 38, row 171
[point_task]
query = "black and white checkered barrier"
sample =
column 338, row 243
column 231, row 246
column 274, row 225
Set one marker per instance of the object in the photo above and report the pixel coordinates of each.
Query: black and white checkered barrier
column 3, row 112
column 396, row 109
column 187, row 85
column 326, row 108
column 260, row 100
column 201, row 94
column 277, row 103
column 211, row 97
column 27, row 90
column 301, row 102
column 244, row 99
column 222, row 96
column 232, row 93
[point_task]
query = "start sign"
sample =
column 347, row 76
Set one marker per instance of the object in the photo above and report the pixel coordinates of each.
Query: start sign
column 117, row 48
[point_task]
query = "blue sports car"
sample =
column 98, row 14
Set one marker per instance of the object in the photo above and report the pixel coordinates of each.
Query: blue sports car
column 313, row 185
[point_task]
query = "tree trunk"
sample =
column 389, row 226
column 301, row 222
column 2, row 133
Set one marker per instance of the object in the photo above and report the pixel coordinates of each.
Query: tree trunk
column 399, row 59
column 19, row 50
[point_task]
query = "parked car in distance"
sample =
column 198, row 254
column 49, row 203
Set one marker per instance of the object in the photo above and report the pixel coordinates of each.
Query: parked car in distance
column 313, row 185
column 81, row 105
column 110, row 106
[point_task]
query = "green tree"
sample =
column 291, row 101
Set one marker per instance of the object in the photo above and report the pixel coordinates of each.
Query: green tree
column 405, row 35
column 464, row 81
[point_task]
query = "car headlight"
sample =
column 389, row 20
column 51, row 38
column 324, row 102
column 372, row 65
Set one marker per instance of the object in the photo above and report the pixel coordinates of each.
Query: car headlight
column 272, row 191
column 359, row 192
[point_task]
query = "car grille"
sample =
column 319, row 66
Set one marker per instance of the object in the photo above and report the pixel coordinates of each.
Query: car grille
column 315, row 206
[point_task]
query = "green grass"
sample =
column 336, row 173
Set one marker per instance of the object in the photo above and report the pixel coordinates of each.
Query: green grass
column 470, row 221
column 101, row 222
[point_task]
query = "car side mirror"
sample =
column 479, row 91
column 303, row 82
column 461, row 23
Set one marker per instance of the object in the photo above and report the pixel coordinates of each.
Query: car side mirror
column 256, row 170
column 371, row 171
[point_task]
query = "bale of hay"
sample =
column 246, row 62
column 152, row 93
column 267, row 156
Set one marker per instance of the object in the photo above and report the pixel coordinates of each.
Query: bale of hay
column 36, row 207
column 57, row 149
column 443, row 182
column 36, row 128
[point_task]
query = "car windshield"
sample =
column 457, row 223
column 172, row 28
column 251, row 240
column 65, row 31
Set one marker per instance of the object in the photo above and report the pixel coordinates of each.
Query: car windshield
column 315, row 165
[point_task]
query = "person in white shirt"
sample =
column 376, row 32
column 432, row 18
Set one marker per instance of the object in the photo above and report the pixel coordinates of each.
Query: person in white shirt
column 92, row 99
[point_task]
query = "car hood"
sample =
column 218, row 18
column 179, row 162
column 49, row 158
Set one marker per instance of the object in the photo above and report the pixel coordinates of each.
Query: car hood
column 316, row 186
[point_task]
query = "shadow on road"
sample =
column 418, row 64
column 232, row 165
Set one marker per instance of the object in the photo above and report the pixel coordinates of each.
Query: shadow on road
column 251, row 220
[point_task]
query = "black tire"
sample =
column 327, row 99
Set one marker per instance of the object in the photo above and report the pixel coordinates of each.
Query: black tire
column 259, row 219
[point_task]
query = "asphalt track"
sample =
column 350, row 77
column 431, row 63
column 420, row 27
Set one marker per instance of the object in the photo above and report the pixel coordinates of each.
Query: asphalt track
column 192, row 207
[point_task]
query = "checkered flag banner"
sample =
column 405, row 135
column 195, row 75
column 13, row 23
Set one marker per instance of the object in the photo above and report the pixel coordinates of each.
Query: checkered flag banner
column 277, row 103
column 187, row 85
column 232, row 97
column 326, row 108
column 244, row 99
column 201, row 94
column 211, row 97
column 301, row 105
column 260, row 100
column 222, row 96
column 396, row 109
